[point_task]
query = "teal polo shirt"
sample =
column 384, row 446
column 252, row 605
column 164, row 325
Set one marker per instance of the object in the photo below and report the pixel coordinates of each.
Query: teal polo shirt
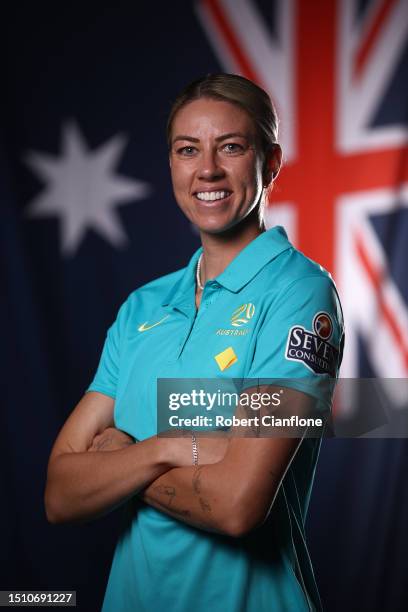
column 272, row 313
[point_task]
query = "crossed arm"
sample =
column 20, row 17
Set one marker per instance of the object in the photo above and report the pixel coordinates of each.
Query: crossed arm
column 232, row 496
column 231, row 491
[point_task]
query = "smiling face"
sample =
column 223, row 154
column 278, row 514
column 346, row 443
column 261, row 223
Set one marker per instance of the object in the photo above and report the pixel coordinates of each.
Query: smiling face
column 216, row 164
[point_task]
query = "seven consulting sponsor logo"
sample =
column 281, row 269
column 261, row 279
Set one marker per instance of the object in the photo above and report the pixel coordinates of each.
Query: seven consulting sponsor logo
column 312, row 347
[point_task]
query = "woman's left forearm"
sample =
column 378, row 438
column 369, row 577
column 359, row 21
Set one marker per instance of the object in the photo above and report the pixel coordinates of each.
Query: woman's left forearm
column 196, row 495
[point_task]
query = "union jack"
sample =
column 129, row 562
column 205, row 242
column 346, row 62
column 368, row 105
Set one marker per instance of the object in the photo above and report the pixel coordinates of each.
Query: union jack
column 343, row 193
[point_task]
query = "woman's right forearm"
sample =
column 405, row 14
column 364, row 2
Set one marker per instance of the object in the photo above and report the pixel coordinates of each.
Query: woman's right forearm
column 85, row 485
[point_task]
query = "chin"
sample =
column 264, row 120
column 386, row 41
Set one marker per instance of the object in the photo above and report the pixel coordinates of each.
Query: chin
column 232, row 228
column 215, row 228
column 209, row 224
column 211, row 230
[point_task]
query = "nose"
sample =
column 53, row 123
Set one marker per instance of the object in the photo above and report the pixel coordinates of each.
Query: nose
column 209, row 167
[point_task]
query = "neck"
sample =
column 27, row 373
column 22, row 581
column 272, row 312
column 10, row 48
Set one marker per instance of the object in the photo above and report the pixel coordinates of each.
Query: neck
column 220, row 249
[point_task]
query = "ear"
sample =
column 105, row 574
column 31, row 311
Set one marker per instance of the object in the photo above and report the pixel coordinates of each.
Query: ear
column 272, row 165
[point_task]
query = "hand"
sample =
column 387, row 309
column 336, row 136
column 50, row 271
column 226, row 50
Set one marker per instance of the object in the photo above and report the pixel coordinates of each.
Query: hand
column 111, row 439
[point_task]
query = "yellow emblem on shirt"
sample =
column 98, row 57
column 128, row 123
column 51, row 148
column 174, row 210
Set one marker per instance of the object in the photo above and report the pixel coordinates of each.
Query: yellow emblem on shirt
column 226, row 358
column 144, row 327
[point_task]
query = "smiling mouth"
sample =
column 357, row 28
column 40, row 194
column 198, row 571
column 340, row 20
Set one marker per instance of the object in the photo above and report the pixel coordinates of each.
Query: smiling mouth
column 212, row 196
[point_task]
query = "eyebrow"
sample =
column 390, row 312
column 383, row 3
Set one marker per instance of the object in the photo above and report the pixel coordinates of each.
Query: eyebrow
column 218, row 139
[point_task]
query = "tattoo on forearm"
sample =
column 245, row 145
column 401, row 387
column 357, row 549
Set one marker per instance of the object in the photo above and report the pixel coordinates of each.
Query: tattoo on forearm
column 181, row 512
column 197, row 488
column 170, row 492
column 205, row 506
column 196, row 480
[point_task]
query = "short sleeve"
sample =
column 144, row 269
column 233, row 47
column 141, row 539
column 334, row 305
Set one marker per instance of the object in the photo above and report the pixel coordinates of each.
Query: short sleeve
column 106, row 377
column 300, row 341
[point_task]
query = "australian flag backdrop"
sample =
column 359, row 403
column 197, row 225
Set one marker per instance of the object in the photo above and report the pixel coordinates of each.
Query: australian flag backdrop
column 88, row 215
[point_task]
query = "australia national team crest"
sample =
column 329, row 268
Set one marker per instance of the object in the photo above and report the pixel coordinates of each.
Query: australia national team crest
column 312, row 348
column 242, row 315
column 239, row 318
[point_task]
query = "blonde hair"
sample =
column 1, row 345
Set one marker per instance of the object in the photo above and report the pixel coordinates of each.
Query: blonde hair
column 236, row 90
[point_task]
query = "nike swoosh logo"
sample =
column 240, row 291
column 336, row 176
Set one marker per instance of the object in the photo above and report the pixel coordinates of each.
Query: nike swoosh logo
column 144, row 327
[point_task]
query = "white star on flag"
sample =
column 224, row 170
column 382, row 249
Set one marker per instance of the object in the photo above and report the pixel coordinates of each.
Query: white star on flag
column 83, row 188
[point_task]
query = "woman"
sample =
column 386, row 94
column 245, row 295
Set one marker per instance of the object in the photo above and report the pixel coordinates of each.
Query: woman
column 217, row 523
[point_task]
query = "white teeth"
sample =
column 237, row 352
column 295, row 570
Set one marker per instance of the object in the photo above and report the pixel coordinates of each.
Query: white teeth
column 212, row 195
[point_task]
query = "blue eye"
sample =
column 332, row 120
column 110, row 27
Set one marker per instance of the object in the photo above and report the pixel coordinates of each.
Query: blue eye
column 187, row 151
column 232, row 147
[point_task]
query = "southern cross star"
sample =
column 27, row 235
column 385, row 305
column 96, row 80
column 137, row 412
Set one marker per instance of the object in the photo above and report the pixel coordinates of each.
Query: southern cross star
column 82, row 188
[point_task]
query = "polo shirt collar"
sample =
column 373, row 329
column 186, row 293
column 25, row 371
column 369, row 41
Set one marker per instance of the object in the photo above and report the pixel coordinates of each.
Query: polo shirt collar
column 238, row 273
column 253, row 258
